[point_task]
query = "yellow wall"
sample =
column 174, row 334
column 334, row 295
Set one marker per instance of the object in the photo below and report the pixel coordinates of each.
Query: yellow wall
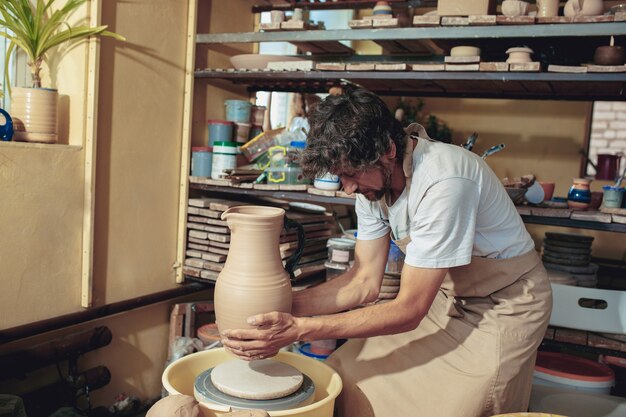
column 140, row 120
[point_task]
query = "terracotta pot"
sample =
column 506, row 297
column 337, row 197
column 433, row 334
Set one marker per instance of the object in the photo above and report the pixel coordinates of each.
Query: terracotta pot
column 609, row 55
column 253, row 280
column 34, row 112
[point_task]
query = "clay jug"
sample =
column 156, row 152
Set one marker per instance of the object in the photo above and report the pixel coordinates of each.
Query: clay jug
column 254, row 280
column 583, row 8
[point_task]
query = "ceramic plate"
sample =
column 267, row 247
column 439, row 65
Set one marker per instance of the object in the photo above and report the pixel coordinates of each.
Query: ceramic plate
column 307, row 207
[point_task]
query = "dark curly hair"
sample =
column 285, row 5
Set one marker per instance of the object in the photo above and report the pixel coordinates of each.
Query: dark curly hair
column 350, row 132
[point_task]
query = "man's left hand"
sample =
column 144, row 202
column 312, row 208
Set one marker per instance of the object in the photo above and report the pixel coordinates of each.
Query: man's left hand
column 272, row 331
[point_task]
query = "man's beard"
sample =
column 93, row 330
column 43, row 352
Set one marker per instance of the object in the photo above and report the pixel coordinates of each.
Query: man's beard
column 375, row 195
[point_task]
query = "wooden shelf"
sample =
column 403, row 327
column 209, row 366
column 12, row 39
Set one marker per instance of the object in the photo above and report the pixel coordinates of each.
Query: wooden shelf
column 572, row 30
column 555, row 221
column 312, row 198
column 523, row 85
column 283, row 195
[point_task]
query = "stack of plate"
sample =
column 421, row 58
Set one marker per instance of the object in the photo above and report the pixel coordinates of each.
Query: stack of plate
column 568, row 256
column 390, row 286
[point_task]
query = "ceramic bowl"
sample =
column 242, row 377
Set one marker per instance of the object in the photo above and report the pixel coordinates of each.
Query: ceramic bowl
column 258, row 61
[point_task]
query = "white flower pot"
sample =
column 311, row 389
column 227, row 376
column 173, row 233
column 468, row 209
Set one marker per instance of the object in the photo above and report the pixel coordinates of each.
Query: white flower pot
column 34, row 112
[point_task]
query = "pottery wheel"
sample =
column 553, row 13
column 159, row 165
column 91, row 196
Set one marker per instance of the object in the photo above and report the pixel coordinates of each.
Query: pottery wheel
column 265, row 379
column 205, row 391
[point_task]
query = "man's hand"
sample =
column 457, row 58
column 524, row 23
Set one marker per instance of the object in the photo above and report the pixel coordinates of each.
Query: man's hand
column 272, row 331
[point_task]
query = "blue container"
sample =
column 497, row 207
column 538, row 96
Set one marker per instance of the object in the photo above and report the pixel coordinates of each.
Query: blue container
column 220, row 131
column 201, row 161
column 238, row 110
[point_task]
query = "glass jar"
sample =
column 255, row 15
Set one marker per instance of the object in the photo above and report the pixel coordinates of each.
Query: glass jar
column 340, row 250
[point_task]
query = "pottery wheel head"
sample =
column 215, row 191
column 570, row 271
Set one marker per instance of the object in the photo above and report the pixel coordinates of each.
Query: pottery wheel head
column 265, row 379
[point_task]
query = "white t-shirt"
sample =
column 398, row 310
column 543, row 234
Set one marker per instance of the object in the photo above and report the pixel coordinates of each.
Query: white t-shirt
column 456, row 208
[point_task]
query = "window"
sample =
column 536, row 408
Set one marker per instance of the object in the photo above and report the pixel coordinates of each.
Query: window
column 608, row 132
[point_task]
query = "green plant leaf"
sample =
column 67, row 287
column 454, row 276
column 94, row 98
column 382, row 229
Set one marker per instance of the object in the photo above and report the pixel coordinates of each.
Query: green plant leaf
column 35, row 28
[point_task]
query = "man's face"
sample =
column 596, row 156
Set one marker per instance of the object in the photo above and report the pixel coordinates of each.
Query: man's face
column 373, row 183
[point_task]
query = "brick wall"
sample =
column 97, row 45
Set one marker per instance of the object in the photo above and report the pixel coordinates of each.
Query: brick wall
column 608, row 130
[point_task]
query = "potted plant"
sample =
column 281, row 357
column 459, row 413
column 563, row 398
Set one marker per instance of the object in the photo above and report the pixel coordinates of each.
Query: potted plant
column 36, row 28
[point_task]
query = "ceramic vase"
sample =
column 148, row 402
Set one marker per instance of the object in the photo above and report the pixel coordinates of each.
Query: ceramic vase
column 583, row 8
column 547, row 8
column 254, row 280
column 34, row 112
column 579, row 195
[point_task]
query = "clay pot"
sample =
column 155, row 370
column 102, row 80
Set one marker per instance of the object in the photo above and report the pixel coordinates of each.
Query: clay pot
column 547, row 8
column 34, row 112
column 514, row 8
column 253, row 280
column 609, row 55
column 583, row 8
column 579, row 196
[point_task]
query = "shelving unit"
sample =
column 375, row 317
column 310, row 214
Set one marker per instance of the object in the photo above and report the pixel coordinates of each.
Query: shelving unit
column 570, row 39
column 493, row 41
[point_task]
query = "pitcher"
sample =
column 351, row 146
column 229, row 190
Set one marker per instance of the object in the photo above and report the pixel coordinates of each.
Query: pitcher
column 253, row 280
column 583, row 8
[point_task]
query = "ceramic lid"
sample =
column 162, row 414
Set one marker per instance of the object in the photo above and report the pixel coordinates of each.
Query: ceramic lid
column 519, row 49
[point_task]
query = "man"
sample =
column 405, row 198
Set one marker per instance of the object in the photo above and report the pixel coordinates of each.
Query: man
column 460, row 338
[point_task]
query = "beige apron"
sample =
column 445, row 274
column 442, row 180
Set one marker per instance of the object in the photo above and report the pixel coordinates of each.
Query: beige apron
column 472, row 355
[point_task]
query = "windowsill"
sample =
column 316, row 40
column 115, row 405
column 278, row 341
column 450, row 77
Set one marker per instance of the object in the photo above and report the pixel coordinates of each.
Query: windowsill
column 42, row 146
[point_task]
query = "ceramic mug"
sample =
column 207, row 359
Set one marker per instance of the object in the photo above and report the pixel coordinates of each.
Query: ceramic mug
column 6, row 130
column 612, row 196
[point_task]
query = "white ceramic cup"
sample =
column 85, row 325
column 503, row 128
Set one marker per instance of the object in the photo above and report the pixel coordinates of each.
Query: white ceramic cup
column 535, row 194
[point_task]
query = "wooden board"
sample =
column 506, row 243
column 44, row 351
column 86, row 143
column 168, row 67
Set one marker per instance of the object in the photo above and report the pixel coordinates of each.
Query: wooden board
column 197, row 211
column 428, row 67
column 515, row 20
column 330, row 66
column 425, row 21
column 462, row 67
column 551, row 212
column 591, row 216
column 575, row 69
column 494, row 66
column 482, row 20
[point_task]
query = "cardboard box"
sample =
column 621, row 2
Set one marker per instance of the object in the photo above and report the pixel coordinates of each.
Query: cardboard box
column 466, row 7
